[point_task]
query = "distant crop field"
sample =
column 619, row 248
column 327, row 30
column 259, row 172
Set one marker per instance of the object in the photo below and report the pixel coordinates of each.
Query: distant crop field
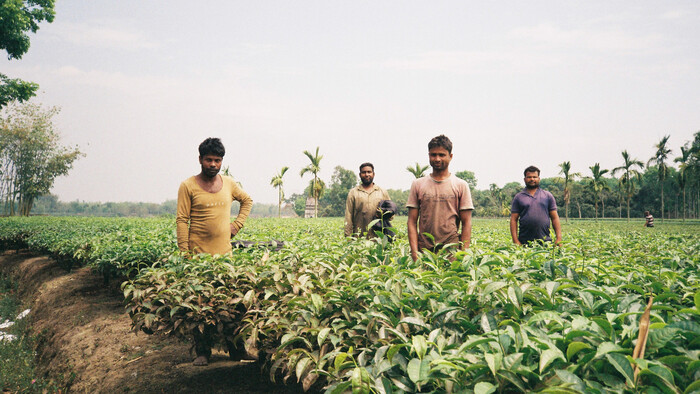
column 358, row 315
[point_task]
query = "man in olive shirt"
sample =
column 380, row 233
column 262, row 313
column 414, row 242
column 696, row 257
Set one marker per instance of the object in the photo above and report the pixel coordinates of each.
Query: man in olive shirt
column 362, row 202
column 204, row 218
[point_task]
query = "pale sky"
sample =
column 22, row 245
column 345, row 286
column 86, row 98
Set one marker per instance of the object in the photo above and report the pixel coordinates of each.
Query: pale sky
column 512, row 83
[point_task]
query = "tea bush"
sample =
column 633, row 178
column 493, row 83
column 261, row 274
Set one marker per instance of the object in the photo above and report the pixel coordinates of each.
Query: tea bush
column 362, row 316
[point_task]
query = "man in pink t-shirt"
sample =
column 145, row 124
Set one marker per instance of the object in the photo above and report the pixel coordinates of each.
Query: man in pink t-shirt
column 439, row 203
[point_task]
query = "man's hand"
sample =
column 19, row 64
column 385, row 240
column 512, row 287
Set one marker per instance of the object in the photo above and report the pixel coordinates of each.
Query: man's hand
column 234, row 230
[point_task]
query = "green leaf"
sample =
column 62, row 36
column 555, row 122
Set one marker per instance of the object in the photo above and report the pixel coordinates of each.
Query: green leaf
column 515, row 296
column 322, row 335
column 623, row 366
column 693, row 388
column 697, row 300
column 418, row 370
column 604, row 325
column 420, row 346
column 607, row 347
column 659, row 338
column 663, row 372
column 548, row 356
column 301, row 368
column 686, row 325
column 567, row 377
column 649, row 375
column 383, row 385
column 494, row 361
column 339, row 360
column 516, row 380
column 575, row 347
column 488, row 323
column 415, row 321
column 356, row 379
column 693, row 367
column 317, row 301
column 484, row 388
column 548, row 268
column 546, row 315
column 393, row 350
column 494, row 286
column 577, row 333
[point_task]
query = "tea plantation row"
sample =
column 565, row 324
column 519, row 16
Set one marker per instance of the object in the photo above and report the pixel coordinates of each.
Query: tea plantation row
column 361, row 316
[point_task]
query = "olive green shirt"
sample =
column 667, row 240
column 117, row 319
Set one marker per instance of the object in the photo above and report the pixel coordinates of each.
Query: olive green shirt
column 361, row 209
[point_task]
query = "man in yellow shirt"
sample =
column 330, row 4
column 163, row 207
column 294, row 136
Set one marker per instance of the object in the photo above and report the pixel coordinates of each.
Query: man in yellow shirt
column 204, row 217
column 204, row 205
column 362, row 202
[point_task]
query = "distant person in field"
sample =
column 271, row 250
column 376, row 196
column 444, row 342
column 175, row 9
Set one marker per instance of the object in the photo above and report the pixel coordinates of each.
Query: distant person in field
column 649, row 222
column 439, row 204
column 531, row 211
column 362, row 203
column 204, row 215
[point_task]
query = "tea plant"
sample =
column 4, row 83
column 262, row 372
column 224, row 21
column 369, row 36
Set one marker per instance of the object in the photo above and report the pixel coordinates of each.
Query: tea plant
column 358, row 315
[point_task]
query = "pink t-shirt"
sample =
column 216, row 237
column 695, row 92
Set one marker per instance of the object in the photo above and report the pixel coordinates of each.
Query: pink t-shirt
column 439, row 203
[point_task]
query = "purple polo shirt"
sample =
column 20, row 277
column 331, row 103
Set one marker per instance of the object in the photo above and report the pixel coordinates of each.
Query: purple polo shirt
column 533, row 214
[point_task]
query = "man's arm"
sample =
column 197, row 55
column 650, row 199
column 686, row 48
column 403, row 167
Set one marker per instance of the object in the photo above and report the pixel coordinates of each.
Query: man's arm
column 182, row 220
column 514, row 227
column 413, row 232
column 465, row 216
column 557, row 226
column 349, row 208
column 246, row 205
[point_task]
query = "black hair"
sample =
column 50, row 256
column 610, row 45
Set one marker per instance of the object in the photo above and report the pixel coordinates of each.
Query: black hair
column 212, row 146
column 441, row 141
column 531, row 169
column 367, row 165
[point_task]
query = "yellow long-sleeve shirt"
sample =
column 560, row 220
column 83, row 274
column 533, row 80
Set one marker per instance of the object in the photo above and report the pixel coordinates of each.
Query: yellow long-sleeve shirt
column 203, row 218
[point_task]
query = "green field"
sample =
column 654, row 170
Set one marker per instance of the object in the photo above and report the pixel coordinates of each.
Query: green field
column 362, row 316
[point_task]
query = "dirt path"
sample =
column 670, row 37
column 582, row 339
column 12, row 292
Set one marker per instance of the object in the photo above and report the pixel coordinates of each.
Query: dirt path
column 85, row 339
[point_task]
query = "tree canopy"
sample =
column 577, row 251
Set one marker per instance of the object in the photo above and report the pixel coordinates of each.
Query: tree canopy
column 31, row 156
column 17, row 19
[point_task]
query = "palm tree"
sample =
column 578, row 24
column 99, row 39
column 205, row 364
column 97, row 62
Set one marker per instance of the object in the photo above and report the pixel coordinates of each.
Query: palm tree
column 314, row 167
column 277, row 182
column 418, row 171
column 629, row 176
column 684, row 160
column 659, row 159
column 568, row 177
column 598, row 184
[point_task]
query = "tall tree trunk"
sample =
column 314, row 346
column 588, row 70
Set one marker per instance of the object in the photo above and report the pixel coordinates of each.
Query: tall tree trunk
column 662, row 202
column 315, row 193
column 684, row 203
column 596, row 208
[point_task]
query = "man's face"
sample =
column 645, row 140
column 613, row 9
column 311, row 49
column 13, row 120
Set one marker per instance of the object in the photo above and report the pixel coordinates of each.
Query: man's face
column 366, row 175
column 211, row 165
column 439, row 158
column 532, row 180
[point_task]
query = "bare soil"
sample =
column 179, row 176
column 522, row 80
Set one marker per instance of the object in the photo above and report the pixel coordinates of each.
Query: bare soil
column 85, row 341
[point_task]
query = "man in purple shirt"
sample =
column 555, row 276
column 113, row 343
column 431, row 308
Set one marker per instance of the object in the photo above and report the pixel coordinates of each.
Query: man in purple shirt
column 533, row 208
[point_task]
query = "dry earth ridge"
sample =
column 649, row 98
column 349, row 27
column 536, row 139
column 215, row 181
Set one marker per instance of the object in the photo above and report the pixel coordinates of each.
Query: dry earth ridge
column 85, row 339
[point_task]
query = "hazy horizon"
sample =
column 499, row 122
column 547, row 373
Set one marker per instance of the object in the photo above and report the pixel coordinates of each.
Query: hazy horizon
column 141, row 84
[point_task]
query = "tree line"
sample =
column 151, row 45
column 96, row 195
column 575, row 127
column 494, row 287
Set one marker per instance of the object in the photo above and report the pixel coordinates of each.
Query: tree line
column 626, row 191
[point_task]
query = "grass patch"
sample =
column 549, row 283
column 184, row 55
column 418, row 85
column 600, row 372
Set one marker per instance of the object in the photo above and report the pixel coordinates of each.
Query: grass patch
column 17, row 366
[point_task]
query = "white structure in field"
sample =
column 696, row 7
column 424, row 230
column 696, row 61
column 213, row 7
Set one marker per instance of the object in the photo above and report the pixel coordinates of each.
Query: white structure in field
column 309, row 212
